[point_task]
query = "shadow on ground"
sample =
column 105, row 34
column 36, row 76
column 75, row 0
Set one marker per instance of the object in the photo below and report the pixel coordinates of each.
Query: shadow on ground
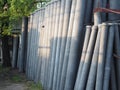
column 11, row 79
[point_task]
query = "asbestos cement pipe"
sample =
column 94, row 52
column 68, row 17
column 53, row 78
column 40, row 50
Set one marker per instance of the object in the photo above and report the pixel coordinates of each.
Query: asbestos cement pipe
column 76, row 44
column 23, row 44
column 15, row 51
column 108, row 61
column 84, row 50
column 101, row 57
column 53, row 52
column 117, row 51
column 88, row 58
column 58, row 44
column 67, row 47
column 64, row 38
column 93, row 67
column 114, row 4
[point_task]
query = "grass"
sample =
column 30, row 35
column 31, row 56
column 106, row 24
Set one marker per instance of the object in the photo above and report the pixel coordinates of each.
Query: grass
column 32, row 86
column 4, row 70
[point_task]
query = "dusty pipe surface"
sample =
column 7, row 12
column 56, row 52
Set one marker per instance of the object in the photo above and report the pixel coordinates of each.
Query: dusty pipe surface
column 117, row 51
column 76, row 45
column 108, row 61
column 84, row 50
column 88, row 58
column 93, row 67
column 58, row 44
column 67, row 47
column 101, row 57
column 113, row 76
column 64, row 38
column 54, row 48
column 114, row 4
column 15, row 51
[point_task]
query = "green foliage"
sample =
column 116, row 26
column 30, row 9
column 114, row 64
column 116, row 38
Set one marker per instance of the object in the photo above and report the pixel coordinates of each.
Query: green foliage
column 11, row 11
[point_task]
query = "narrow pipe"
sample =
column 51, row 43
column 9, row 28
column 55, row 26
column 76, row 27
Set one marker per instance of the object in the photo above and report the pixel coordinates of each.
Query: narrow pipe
column 63, row 39
column 113, row 76
column 117, row 51
column 58, row 44
column 23, row 44
column 93, row 68
column 84, row 50
column 88, row 58
column 53, row 52
column 38, row 50
column 101, row 58
column 15, row 51
column 114, row 4
column 108, row 61
column 67, row 47
column 76, row 44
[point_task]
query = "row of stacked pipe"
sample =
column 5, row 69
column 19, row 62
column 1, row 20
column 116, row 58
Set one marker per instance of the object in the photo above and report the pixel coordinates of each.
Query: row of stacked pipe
column 69, row 49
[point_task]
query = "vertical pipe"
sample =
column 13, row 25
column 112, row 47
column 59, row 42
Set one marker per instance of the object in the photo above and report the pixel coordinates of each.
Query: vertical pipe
column 89, row 12
column 93, row 67
column 36, row 44
column 53, row 51
column 88, row 58
column 113, row 76
column 15, row 51
column 38, row 47
column 43, row 50
column 32, row 49
column 58, row 43
column 108, row 61
column 84, row 50
column 63, row 39
column 117, row 51
column 76, row 44
column 48, row 32
column 23, row 44
column 101, row 58
column 27, row 60
column 67, row 48
column 114, row 4
column 29, row 47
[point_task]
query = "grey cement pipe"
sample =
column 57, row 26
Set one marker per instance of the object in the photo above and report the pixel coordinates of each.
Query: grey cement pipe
column 113, row 76
column 84, row 50
column 29, row 48
column 23, row 44
column 58, row 44
column 93, row 67
column 117, row 51
column 15, row 51
column 88, row 58
column 52, row 63
column 63, row 39
column 101, row 58
column 38, row 51
column 67, row 47
column 108, row 61
column 114, row 4
column 76, row 44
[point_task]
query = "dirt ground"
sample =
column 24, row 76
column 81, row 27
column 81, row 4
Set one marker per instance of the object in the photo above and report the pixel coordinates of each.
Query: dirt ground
column 12, row 80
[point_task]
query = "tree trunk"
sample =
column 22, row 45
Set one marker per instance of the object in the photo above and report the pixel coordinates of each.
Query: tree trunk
column 6, row 52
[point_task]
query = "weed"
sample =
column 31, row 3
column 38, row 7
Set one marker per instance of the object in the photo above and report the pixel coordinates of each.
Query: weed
column 33, row 86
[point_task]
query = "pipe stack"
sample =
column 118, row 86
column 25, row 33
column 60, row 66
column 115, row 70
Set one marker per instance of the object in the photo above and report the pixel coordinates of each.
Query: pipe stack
column 66, row 51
